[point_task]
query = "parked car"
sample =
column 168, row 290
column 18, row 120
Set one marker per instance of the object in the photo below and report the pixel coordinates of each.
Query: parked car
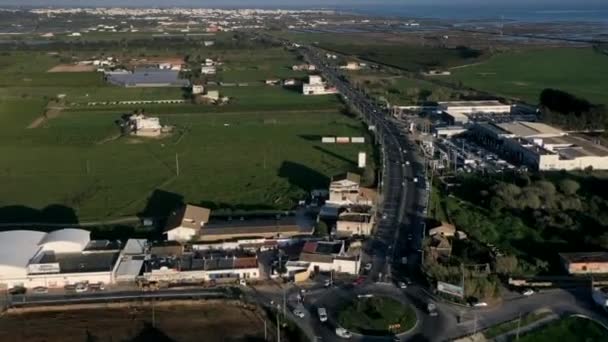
column 17, row 290
column 367, row 295
column 327, row 283
column 402, row 285
column 40, row 290
column 528, row 292
column 480, row 304
column 299, row 313
column 341, row 332
column 368, row 266
column 82, row 287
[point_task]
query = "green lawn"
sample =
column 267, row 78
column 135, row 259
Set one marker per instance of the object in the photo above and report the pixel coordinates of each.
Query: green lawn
column 568, row 329
column 524, row 74
column 374, row 316
column 506, row 327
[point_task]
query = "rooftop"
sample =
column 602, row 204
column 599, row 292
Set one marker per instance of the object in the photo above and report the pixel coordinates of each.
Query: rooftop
column 471, row 103
column 252, row 227
column 526, row 129
column 148, row 76
column 189, row 216
column 81, row 262
column 353, row 177
column 582, row 257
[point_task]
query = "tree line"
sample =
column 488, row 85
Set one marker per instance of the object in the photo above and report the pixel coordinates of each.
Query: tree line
column 571, row 112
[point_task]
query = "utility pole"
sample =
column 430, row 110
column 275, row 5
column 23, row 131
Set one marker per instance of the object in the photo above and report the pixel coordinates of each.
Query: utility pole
column 518, row 327
column 177, row 164
column 278, row 328
column 285, row 301
column 153, row 315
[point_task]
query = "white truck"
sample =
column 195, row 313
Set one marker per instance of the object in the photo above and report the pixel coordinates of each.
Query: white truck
column 322, row 314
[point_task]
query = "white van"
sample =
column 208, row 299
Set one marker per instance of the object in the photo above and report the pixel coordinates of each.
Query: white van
column 322, row 314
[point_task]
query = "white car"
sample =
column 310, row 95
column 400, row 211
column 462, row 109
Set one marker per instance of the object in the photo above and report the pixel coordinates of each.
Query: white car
column 528, row 292
column 480, row 304
column 402, row 285
column 322, row 314
column 368, row 266
column 341, row 332
column 299, row 313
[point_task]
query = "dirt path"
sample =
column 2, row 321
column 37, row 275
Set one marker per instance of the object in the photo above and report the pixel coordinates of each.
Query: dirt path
column 49, row 113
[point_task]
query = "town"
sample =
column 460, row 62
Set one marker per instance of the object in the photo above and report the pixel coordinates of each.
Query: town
column 300, row 175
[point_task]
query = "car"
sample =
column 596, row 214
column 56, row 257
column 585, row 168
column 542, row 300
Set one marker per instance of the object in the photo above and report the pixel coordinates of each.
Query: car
column 368, row 266
column 410, row 236
column 407, row 162
column 81, row 287
column 299, row 313
column 322, row 313
column 367, row 295
column 341, row 332
column 327, row 283
column 528, row 292
column 408, row 281
column 480, row 304
column 402, row 285
column 40, row 290
column 415, row 179
column 242, row 282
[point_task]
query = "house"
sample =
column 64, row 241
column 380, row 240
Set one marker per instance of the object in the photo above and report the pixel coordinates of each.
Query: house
column 304, row 67
column 445, row 229
column 355, row 222
column 326, row 256
column 209, row 62
column 344, row 189
column 141, row 125
column 585, row 262
column 186, row 222
column 208, row 70
column 316, row 86
column 351, row 66
column 197, row 89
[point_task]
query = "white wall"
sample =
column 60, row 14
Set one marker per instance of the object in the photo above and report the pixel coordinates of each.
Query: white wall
column 59, row 280
column 180, row 234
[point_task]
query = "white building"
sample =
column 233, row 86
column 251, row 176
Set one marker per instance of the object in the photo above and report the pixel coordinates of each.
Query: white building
column 543, row 147
column 197, row 89
column 186, row 222
column 344, row 189
column 142, row 125
column 353, row 66
column 355, row 223
column 67, row 256
column 208, row 70
column 316, row 86
column 459, row 111
column 326, row 256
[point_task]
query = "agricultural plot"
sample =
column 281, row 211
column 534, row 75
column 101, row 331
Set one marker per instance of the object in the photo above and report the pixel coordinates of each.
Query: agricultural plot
column 524, row 74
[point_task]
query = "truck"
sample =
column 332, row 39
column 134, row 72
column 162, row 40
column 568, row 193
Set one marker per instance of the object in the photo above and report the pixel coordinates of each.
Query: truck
column 322, row 314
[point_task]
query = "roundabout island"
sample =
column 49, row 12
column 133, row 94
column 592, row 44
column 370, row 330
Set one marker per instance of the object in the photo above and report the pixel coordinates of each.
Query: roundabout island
column 376, row 316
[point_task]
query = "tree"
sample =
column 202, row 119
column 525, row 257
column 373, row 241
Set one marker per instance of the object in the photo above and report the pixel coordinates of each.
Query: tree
column 506, row 265
column 321, row 229
column 569, row 187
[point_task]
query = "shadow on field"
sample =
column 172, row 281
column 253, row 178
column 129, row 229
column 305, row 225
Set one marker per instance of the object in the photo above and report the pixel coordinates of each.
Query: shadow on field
column 150, row 333
column 310, row 137
column 54, row 213
column 160, row 205
column 302, row 176
column 335, row 155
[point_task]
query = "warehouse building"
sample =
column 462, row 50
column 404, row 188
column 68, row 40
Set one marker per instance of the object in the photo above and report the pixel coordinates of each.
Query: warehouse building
column 62, row 257
column 542, row 147
column 148, row 77
column 460, row 112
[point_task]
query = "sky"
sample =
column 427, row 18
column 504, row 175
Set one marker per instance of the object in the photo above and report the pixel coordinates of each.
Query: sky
column 572, row 4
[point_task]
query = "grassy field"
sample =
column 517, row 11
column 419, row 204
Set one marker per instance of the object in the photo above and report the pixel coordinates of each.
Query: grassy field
column 373, row 316
column 568, row 329
column 260, row 151
column 524, row 74
column 506, row 327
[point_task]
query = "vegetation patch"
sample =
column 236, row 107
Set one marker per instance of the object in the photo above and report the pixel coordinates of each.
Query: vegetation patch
column 377, row 316
column 568, row 329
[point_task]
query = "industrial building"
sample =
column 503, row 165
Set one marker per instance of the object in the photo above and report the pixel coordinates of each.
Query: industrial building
column 460, row 112
column 59, row 258
column 542, row 147
column 148, row 77
column 256, row 227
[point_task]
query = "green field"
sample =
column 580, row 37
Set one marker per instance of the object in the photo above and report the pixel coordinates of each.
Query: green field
column 568, row 329
column 260, row 151
column 524, row 74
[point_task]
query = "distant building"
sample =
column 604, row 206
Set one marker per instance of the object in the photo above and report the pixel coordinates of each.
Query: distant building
column 352, row 66
column 458, row 112
column 209, row 42
column 186, row 222
column 344, row 189
column 257, row 227
column 585, row 262
column 208, row 70
column 147, row 77
column 304, row 67
column 326, row 256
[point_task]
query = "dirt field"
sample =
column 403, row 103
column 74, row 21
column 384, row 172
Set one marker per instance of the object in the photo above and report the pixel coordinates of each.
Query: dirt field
column 218, row 321
column 72, row 68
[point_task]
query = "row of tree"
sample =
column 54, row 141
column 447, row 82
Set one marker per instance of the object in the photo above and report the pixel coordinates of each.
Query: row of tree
column 570, row 112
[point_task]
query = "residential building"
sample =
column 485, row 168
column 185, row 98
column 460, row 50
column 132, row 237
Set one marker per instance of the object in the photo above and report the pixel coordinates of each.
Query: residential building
column 316, row 86
column 345, row 190
column 186, row 222
column 355, row 222
column 326, row 256
column 141, row 125
column 352, row 66
column 197, row 89
column 208, row 70
column 585, row 262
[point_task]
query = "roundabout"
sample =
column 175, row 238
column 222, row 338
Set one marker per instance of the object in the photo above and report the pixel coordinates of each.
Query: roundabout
column 376, row 316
